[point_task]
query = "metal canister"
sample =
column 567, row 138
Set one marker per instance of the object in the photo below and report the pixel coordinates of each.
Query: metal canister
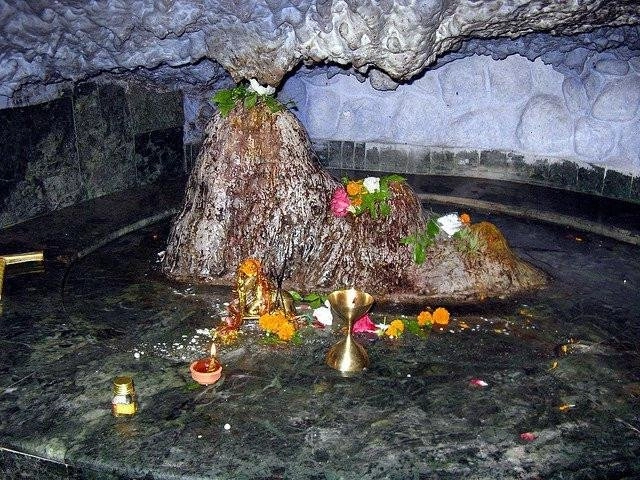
column 124, row 401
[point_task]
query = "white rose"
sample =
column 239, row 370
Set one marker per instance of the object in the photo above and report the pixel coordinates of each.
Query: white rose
column 259, row 89
column 323, row 315
column 450, row 223
column 372, row 184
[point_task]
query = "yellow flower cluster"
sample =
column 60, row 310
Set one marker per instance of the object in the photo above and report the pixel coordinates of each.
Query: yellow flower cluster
column 277, row 322
column 395, row 328
column 425, row 318
column 440, row 316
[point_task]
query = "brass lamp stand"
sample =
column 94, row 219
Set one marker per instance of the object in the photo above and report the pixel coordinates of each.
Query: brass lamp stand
column 348, row 356
column 17, row 258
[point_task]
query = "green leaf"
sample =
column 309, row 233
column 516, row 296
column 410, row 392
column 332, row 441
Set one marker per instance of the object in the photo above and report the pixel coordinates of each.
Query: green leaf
column 271, row 103
column 224, row 101
column 394, row 178
column 295, row 295
column 270, row 340
column 385, row 209
column 223, row 96
column 432, row 228
column 412, row 327
column 408, row 240
column 250, row 100
column 311, row 297
column 419, row 254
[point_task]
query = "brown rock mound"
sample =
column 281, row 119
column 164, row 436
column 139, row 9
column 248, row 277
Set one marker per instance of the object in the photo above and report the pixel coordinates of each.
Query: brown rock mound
column 257, row 191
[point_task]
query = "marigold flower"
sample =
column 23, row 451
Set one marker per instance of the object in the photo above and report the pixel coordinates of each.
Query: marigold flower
column 465, row 218
column 277, row 323
column 285, row 331
column 396, row 327
column 440, row 316
column 271, row 322
column 354, row 188
column 424, row 318
column 356, row 201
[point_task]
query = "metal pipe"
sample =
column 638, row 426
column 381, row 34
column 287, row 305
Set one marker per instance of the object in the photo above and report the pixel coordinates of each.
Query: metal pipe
column 23, row 257
column 17, row 258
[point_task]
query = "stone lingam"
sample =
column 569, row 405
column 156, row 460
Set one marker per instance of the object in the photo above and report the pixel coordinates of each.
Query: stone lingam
column 257, row 191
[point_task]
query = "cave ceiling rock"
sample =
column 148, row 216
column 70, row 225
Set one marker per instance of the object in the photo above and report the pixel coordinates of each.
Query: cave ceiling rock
column 44, row 43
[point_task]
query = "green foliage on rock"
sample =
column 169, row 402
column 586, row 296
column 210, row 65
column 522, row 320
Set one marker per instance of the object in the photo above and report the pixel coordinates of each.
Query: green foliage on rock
column 226, row 100
column 421, row 241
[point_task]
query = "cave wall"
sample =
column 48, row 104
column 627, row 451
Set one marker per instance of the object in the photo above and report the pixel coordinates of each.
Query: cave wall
column 475, row 116
column 89, row 142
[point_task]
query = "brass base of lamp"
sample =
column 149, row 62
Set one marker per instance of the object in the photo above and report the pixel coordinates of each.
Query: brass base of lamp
column 347, row 356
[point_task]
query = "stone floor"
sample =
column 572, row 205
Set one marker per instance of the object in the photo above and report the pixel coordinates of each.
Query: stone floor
column 562, row 364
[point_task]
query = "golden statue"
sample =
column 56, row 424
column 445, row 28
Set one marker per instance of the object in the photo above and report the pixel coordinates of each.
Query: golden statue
column 255, row 296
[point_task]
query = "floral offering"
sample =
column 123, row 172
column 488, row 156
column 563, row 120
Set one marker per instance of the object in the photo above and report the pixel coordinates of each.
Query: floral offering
column 278, row 324
column 425, row 318
column 371, row 194
column 440, row 316
column 395, row 328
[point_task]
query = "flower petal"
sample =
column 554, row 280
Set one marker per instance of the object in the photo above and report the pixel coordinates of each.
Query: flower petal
column 528, row 436
column 476, row 382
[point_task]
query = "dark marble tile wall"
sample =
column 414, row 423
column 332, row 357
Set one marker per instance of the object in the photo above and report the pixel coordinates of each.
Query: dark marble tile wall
column 95, row 140
column 493, row 164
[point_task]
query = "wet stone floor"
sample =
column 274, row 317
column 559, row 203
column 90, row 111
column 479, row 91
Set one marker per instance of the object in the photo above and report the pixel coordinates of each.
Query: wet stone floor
column 561, row 368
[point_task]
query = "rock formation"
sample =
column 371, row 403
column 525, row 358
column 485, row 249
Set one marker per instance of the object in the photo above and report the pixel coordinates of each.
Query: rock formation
column 257, row 191
column 190, row 44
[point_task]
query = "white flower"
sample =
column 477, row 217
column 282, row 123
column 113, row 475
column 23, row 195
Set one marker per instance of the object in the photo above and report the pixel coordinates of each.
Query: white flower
column 372, row 184
column 351, row 209
column 259, row 89
column 450, row 223
column 323, row 315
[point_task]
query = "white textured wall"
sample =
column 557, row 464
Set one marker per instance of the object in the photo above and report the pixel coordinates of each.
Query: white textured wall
column 477, row 102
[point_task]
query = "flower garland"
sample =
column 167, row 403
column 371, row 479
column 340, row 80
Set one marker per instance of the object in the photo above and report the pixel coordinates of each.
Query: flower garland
column 280, row 327
column 397, row 327
column 371, row 194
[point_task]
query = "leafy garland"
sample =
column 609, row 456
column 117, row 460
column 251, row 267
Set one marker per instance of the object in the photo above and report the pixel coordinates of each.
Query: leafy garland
column 226, row 99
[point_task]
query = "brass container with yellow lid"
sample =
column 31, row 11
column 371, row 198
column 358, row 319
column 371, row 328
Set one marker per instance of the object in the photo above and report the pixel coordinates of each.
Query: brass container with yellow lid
column 124, row 401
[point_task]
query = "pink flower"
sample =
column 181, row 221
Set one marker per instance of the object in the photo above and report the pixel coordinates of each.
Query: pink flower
column 528, row 436
column 476, row 382
column 364, row 325
column 340, row 202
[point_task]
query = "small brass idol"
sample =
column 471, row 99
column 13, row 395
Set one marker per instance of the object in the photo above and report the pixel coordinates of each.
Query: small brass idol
column 348, row 356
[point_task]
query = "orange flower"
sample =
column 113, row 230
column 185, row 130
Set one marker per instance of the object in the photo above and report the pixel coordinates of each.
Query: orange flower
column 395, row 329
column 249, row 267
column 465, row 218
column 356, row 201
column 441, row 316
column 276, row 322
column 270, row 322
column 424, row 318
column 285, row 331
column 354, row 188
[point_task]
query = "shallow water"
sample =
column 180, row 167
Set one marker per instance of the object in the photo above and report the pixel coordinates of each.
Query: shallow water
column 561, row 364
